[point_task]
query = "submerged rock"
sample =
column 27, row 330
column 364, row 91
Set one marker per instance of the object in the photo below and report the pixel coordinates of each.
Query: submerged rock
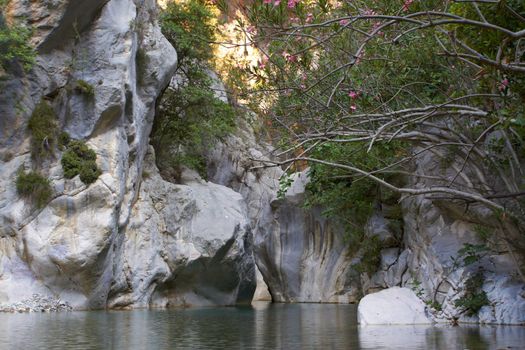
column 392, row 306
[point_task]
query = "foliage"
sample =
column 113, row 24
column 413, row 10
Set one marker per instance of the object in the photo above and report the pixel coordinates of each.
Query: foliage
column 63, row 140
column 34, row 187
column 188, row 25
column 79, row 159
column 364, row 90
column 417, row 287
column 434, row 305
column 371, row 258
column 285, row 181
column 15, row 46
column 191, row 117
column 43, row 127
column 84, row 87
column 472, row 253
column 191, row 120
column 474, row 298
column 349, row 198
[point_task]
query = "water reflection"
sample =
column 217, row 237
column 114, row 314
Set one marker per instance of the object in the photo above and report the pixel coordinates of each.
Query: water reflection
column 263, row 326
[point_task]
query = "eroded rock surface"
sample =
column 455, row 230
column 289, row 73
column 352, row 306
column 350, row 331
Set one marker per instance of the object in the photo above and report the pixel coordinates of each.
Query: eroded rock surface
column 186, row 244
column 117, row 242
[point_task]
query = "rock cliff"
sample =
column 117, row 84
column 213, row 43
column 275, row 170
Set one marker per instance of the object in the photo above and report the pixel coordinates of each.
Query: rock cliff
column 129, row 239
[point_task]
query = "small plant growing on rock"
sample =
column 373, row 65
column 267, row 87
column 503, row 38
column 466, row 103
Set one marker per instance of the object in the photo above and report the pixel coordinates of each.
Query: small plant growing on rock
column 34, row 187
column 84, row 87
column 43, row 127
column 79, row 159
column 63, row 140
column 474, row 298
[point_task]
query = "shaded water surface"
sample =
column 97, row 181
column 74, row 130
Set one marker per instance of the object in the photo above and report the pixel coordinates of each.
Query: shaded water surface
column 262, row 326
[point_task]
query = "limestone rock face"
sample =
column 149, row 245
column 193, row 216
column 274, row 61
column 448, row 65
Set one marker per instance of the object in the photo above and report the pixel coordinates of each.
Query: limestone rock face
column 392, row 306
column 230, row 163
column 434, row 233
column 432, row 237
column 130, row 239
column 187, row 244
column 303, row 256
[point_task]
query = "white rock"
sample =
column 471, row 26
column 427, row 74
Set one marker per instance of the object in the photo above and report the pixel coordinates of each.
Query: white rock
column 392, row 306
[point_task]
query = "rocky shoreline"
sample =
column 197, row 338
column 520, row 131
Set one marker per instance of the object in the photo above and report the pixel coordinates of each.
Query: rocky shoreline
column 37, row 303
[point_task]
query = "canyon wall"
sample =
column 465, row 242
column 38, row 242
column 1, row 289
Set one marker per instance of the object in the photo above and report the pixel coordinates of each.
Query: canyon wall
column 128, row 239
column 133, row 239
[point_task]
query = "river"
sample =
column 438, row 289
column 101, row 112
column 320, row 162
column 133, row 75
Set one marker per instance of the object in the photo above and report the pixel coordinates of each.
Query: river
column 260, row 326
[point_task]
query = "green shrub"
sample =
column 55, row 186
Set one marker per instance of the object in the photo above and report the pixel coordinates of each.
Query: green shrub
column 371, row 259
column 474, row 298
column 34, row 187
column 84, row 87
column 189, row 27
column 191, row 118
column 43, row 127
column 63, row 140
column 15, row 47
column 79, row 159
column 89, row 172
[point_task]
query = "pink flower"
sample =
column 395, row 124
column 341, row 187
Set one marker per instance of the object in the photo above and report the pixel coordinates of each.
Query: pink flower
column 503, row 85
column 292, row 3
column 289, row 57
column 263, row 62
column 309, row 18
column 276, row 2
column 353, row 95
column 344, row 22
column 407, row 4
column 353, row 108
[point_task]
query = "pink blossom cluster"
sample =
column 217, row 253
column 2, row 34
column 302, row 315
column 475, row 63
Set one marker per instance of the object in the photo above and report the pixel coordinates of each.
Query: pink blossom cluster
column 289, row 57
column 251, row 30
column 353, row 95
column 291, row 3
column 309, row 17
column 407, row 4
column 263, row 62
column 503, row 85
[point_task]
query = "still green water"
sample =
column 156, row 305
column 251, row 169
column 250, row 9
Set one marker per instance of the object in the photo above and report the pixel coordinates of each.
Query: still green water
column 261, row 326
